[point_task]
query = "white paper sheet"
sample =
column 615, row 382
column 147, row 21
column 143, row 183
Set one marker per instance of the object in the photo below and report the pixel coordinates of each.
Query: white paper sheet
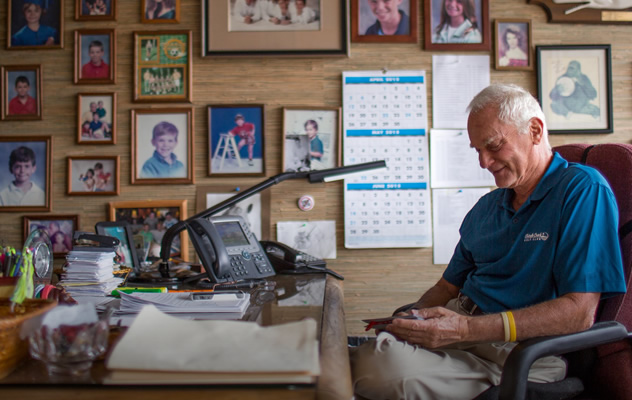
column 449, row 207
column 453, row 163
column 316, row 238
column 455, row 81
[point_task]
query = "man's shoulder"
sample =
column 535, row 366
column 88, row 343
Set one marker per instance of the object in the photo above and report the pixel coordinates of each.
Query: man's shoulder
column 583, row 174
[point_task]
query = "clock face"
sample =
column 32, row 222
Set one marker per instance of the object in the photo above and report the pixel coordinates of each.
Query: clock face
column 42, row 258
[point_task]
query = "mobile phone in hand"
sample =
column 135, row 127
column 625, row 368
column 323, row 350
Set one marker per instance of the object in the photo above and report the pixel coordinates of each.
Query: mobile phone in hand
column 381, row 323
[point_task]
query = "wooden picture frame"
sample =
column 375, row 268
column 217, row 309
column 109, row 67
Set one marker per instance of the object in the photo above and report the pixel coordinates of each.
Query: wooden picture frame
column 50, row 34
column 561, row 69
column 225, row 34
column 233, row 149
column 138, row 212
column 100, row 129
column 95, row 10
column 311, row 138
column 95, row 56
column 60, row 229
column 367, row 28
column 255, row 209
column 153, row 133
column 38, row 150
column 169, row 12
column 469, row 36
column 93, row 176
column 513, row 46
column 162, row 66
column 22, row 92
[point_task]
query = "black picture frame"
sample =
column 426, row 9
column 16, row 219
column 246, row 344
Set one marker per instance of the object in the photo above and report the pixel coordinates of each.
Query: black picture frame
column 123, row 232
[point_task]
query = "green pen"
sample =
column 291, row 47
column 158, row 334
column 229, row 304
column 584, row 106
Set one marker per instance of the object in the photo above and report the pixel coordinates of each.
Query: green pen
column 116, row 292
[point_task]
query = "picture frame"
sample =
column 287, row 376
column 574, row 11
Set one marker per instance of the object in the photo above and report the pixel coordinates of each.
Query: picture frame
column 311, row 138
column 95, row 56
column 156, row 156
column 255, row 209
column 100, row 129
column 162, row 66
column 137, row 213
column 469, row 36
column 160, row 12
column 513, row 49
column 93, row 176
column 367, row 28
column 230, row 140
column 95, row 10
column 50, row 33
column 224, row 34
column 561, row 68
column 38, row 151
column 127, row 250
column 60, row 229
column 22, row 92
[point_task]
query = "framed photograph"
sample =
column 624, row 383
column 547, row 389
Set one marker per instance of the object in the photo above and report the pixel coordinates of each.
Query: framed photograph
column 513, row 50
column 60, row 229
column 22, row 94
column 457, row 25
column 89, row 175
column 283, row 27
column 96, row 118
column 35, row 24
column 575, row 88
column 160, row 11
column 311, row 138
column 95, row 56
column 162, row 146
column 26, row 184
column 128, row 250
column 380, row 21
column 153, row 217
column 162, row 66
column 255, row 210
column 95, row 10
column 236, row 140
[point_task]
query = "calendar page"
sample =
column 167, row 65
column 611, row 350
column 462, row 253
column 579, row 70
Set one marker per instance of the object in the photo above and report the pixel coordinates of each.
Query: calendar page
column 385, row 118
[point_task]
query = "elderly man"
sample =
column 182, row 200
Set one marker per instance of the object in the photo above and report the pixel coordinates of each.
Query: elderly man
column 534, row 258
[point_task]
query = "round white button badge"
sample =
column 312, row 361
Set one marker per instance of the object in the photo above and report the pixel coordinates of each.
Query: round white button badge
column 306, row 202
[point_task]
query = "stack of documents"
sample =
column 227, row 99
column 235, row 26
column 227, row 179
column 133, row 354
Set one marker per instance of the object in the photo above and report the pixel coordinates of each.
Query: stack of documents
column 89, row 273
column 229, row 303
column 159, row 348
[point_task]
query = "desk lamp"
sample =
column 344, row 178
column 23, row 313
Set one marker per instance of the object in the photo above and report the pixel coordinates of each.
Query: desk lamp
column 317, row 176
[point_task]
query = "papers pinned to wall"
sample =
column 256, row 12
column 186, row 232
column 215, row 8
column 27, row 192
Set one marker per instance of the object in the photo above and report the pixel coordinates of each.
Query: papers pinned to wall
column 316, row 238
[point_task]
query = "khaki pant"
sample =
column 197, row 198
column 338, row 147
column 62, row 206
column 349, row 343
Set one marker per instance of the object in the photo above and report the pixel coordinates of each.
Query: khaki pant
column 390, row 369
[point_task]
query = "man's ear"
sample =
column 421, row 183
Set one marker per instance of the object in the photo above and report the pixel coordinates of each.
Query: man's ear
column 536, row 130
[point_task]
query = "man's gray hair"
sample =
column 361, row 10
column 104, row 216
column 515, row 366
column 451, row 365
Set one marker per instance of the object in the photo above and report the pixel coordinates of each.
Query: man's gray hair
column 516, row 106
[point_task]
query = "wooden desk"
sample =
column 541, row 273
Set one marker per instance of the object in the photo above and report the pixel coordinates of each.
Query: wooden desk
column 30, row 381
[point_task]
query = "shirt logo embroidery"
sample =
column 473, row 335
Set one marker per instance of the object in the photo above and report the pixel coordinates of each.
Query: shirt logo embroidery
column 530, row 237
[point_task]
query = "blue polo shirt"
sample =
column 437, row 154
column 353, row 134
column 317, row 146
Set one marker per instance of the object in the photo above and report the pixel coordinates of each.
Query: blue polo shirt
column 563, row 239
column 402, row 29
column 157, row 167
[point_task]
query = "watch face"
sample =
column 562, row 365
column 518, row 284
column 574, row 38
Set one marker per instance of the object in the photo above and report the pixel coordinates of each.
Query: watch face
column 42, row 259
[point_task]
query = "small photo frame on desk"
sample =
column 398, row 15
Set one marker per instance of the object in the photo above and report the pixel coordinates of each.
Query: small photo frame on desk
column 95, row 10
column 22, row 92
column 372, row 23
column 60, row 229
column 44, row 15
column 96, row 118
column 95, row 56
column 466, row 29
column 153, row 217
column 93, row 176
column 127, row 250
column 26, row 184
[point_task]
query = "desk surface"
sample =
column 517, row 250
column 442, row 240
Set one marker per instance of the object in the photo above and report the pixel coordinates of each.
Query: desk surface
column 294, row 298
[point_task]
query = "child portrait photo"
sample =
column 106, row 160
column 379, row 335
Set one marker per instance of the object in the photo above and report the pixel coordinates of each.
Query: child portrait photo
column 89, row 175
column 22, row 96
column 274, row 15
column 95, row 56
column 60, row 230
column 513, row 44
column 96, row 113
column 311, row 139
column 384, row 21
column 95, row 10
column 160, row 11
column 25, row 178
column 162, row 146
column 35, row 24
column 236, row 140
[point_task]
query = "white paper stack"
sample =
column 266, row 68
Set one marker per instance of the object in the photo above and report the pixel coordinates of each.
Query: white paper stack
column 181, row 302
column 89, row 273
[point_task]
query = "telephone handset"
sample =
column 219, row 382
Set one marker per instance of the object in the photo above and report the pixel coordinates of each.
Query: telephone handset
column 287, row 260
column 228, row 250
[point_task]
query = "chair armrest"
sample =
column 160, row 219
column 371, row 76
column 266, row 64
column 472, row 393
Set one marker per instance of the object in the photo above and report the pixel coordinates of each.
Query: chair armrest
column 513, row 384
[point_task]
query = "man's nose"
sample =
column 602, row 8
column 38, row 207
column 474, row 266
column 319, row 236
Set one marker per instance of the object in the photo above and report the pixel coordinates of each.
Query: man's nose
column 484, row 159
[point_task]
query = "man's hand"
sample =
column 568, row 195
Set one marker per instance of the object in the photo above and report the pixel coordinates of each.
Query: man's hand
column 439, row 327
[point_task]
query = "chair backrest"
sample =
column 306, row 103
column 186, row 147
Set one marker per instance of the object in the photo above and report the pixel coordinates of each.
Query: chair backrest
column 614, row 161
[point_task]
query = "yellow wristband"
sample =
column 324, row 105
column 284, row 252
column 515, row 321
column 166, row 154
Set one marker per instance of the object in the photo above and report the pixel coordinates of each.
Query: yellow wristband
column 512, row 327
column 505, row 325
